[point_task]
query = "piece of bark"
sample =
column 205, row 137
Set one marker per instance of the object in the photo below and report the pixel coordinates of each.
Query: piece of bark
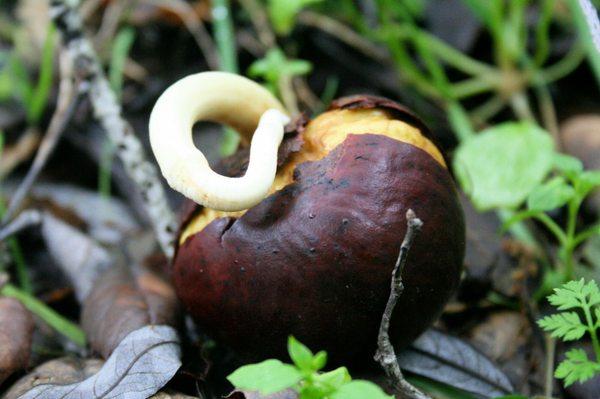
column 16, row 329
column 125, row 300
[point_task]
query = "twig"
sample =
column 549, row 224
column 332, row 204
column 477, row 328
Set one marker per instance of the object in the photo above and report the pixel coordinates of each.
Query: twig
column 385, row 354
column 306, row 95
column 287, row 94
column 344, row 34
column 108, row 111
column 67, row 99
column 260, row 21
column 549, row 377
column 111, row 18
column 25, row 219
column 195, row 26
column 21, row 151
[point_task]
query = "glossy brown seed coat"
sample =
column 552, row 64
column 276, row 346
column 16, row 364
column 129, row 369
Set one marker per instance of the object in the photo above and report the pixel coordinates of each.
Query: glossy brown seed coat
column 315, row 259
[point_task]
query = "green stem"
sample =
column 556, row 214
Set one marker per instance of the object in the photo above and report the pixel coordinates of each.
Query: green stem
column 518, row 230
column 569, row 245
column 520, row 105
column 225, row 40
column 542, row 36
column 224, row 35
column 407, row 69
column 459, row 121
column 553, row 227
column 452, row 56
column 105, row 170
column 563, row 67
column 48, row 315
column 20, row 265
column 592, row 330
column 471, row 87
column 584, row 235
column 488, row 109
column 18, row 258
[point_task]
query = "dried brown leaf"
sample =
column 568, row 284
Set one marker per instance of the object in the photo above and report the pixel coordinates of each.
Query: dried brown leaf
column 125, row 300
column 59, row 371
column 16, row 329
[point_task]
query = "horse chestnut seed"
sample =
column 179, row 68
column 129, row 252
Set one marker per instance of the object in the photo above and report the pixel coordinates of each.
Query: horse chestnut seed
column 314, row 258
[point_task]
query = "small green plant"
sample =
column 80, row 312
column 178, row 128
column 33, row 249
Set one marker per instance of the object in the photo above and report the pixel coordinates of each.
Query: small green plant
column 283, row 13
column 583, row 299
column 567, row 187
column 275, row 66
column 304, row 376
column 513, row 167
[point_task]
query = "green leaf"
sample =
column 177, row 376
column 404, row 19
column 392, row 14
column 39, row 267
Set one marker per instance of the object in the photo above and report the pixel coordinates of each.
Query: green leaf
column 300, row 354
column 576, row 367
column 276, row 65
column 283, row 13
column 566, row 326
column 266, row 377
column 567, row 164
column 500, row 167
column 335, row 378
column 319, row 360
column 553, row 194
column 588, row 181
column 575, row 294
column 360, row 389
column 313, row 392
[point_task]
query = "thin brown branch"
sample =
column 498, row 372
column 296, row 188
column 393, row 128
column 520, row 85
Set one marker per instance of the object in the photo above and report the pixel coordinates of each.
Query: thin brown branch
column 344, row 33
column 260, row 21
column 22, row 150
column 385, row 354
column 195, row 26
column 67, row 99
column 24, row 220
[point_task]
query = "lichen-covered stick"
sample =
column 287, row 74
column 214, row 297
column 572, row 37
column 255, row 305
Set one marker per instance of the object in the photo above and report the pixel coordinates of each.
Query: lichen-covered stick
column 107, row 110
column 385, row 354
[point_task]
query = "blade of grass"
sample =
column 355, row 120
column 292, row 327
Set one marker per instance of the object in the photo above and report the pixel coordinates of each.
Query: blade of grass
column 65, row 327
column 542, row 32
column 14, row 247
column 225, row 40
column 118, row 55
column 41, row 93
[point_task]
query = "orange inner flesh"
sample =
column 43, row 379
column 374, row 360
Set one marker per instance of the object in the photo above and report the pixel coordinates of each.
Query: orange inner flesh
column 321, row 136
